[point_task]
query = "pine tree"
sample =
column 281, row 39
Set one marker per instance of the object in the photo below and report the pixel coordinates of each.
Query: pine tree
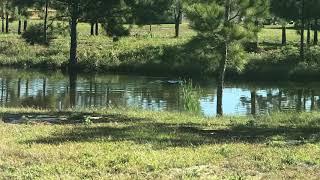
column 227, row 23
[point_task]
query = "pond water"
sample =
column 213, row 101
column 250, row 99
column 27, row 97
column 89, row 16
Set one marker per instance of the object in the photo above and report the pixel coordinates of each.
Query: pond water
column 21, row 88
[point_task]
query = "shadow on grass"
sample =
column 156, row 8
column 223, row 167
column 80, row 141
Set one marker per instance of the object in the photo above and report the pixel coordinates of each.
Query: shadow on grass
column 163, row 135
column 65, row 118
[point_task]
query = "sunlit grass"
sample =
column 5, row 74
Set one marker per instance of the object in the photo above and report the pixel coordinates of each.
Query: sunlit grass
column 133, row 144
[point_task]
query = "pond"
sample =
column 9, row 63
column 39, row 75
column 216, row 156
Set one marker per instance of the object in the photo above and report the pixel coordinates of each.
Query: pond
column 20, row 88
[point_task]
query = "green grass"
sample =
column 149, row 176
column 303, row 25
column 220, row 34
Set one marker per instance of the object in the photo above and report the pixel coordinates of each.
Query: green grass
column 132, row 144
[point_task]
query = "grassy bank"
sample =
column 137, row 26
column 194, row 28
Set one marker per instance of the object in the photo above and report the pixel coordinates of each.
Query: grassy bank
column 162, row 54
column 138, row 145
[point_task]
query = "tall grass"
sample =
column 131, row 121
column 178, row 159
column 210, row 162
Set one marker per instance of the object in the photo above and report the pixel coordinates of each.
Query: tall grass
column 191, row 97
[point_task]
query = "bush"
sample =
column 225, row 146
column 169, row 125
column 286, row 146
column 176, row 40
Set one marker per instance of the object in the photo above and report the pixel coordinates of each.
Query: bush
column 35, row 35
column 114, row 28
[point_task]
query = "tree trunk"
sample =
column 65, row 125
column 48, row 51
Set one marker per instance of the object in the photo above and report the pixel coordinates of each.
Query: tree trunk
column 223, row 65
column 299, row 103
column 304, row 101
column 45, row 24
column 315, row 38
column 284, row 35
column 312, row 100
column 279, row 100
column 150, row 29
column 2, row 25
column 19, row 88
column 44, row 87
column 7, row 23
column 302, row 33
column 177, row 23
column 97, row 29
column 27, row 88
column 2, row 90
column 253, row 102
column 25, row 25
column 19, row 26
column 177, row 29
column 74, row 37
column 309, row 33
column 92, row 29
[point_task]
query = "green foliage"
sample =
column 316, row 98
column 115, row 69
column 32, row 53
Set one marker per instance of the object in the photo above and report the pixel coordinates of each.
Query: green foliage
column 35, row 35
column 191, row 97
column 87, row 121
column 114, row 28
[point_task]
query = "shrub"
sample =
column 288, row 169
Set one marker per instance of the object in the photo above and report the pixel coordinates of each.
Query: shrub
column 114, row 28
column 34, row 35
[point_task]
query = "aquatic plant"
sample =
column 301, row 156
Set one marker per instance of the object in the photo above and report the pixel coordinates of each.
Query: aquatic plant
column 191, row 97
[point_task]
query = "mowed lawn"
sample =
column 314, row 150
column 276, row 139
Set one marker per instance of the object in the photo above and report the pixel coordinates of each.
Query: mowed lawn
column 132, row 144
column 270, row 33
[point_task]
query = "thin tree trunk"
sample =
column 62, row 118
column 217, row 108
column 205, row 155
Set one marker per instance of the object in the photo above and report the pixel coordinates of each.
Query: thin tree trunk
column 279, row 100
column 177, row 23
column 97, row 29
column 253, row 102
column 44, row 87
column 302, row 33
column 45, row 24
column 19, row 88
column 2, row 24
column 7, row 23
column 312, row 100
column 27, row 87
column 7, row 90
column 315, row 38
column 19, row 26
column 92, row 29
column 299, row 103
column 223, row 65
column 74, row 37
column 2, row 91
column 150, row 29
column 309, row 33
column 284, row 35
column 177, row 29
column 304, row 101
column 25, row 25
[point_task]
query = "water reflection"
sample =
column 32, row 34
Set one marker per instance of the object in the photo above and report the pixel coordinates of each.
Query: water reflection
column 58, row 91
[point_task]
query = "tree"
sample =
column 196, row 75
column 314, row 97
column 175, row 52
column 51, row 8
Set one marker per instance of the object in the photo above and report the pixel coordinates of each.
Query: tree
column 176, row 8
column 22, row 12
column 287, row 11
column 7, row 11
column 75, row 10
column 150, row 12
column 104, row 12
column 261, row 8
column 227, row 23
column 313, row 7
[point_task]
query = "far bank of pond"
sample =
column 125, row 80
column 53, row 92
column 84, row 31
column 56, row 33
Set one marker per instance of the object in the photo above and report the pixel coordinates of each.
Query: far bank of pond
column 57, row 91
column 188, row 56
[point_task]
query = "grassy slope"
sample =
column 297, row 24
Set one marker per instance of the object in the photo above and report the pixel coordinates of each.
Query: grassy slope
column 135, row 144
column 161, row 54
